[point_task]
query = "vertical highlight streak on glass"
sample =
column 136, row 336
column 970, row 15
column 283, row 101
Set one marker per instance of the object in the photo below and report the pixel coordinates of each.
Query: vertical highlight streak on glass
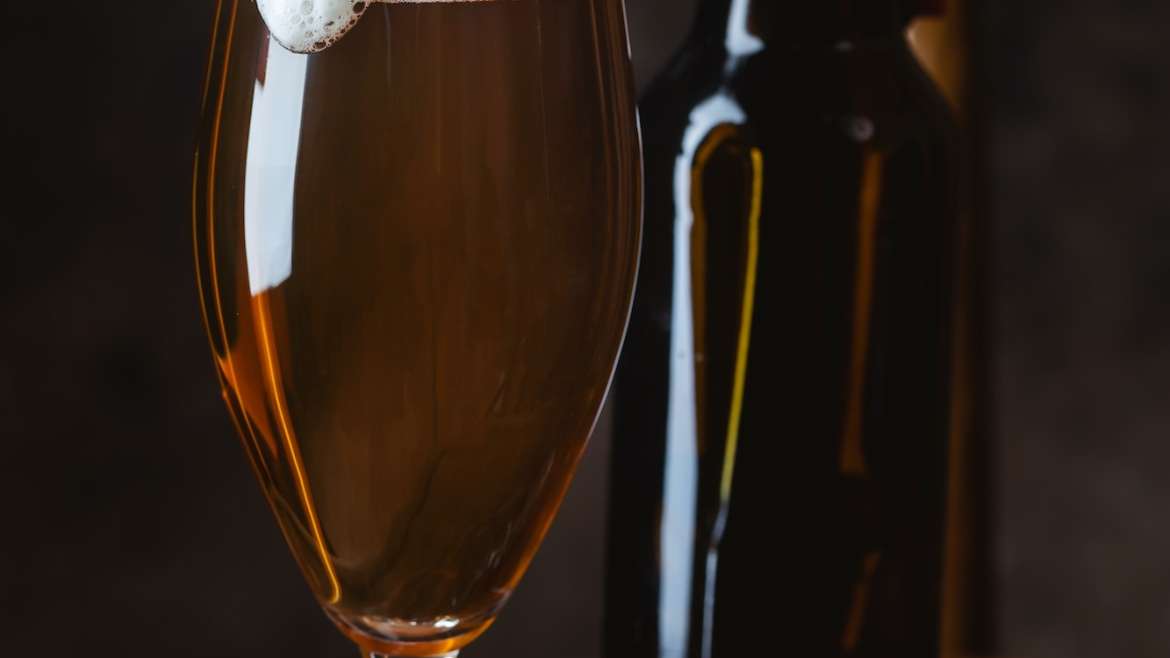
column 745, row 325
column 263, row 319
column 852, row 454
column 681, row 467
column 740, row 41
column 274, row 140
column 210, row 54
column 224, row 362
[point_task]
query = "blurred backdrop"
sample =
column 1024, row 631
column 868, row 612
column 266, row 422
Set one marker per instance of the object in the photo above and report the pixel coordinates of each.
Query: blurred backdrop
column 132, row 526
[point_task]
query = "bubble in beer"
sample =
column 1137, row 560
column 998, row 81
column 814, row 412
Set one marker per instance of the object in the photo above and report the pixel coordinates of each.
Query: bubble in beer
column 309, row 26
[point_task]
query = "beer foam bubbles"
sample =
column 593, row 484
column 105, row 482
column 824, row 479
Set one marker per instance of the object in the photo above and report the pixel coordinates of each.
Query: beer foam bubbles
column 306, row 26
column 309, row 26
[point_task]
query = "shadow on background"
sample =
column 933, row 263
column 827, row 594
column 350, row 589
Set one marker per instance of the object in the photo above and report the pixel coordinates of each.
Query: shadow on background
column 132, row 524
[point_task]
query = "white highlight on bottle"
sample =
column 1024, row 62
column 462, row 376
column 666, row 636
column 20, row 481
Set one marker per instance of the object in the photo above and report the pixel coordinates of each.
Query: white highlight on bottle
column 680, row 482
column 309, row 26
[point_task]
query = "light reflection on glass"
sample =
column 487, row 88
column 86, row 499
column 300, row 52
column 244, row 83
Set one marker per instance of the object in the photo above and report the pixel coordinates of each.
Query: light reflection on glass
column 740, row 41
column 270, row 176
column 682, row 465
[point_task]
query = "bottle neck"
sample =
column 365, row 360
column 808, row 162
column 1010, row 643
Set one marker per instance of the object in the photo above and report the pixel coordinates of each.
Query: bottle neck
column 751, row 25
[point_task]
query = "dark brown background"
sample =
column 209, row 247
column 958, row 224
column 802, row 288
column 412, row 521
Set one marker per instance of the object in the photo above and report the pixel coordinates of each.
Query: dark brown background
column 131, row 526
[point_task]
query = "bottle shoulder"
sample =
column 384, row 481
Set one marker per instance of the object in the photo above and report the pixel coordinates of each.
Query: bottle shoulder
column 870, row 91
column 691, row 76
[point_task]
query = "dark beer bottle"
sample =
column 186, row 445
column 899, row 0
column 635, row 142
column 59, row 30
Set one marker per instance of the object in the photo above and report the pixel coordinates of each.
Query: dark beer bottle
column 783, row 407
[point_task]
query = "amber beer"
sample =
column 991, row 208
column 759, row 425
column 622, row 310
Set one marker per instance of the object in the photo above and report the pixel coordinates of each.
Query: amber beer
column 406, row 321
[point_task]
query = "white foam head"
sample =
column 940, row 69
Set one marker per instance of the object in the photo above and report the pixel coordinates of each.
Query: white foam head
column 309, row 26
column 306, row 26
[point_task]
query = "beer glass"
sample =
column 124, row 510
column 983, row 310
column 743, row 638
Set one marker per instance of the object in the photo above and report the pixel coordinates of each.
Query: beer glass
column 416, row 251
